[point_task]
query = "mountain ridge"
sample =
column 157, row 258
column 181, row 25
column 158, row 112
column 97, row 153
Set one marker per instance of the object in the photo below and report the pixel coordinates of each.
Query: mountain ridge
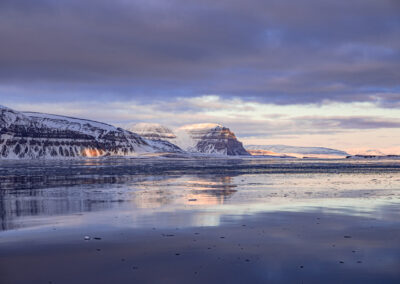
column 205, row 138
column 297, row 151
column 38, row 135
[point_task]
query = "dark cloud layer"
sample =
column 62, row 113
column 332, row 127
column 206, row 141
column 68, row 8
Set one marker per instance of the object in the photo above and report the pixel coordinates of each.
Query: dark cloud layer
column 276, row 51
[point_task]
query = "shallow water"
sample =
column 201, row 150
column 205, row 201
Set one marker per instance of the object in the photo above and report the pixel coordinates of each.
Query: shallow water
column 202, row 220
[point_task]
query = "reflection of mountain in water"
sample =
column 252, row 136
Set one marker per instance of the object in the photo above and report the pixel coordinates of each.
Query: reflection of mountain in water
column 21, row 207
column 43, row 174
column 211, row 190
column 42, row 188
column 185, row 190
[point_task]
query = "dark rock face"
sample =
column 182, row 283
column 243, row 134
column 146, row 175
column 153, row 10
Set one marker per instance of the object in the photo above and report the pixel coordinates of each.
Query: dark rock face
column 36, row 135
column 218, row 140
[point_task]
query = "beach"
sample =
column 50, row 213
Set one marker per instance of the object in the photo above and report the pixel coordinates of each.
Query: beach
column 208, row 221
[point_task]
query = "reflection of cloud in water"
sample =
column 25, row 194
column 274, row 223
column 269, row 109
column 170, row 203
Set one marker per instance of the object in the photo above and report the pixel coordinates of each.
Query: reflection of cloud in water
column 185, row 190
column 184, row 200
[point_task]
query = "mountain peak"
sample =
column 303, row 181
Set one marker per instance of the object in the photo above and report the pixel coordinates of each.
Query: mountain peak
column 207, row 138
column 38, row 135
column 4, row 107
column 201, row 126
column 152, row 131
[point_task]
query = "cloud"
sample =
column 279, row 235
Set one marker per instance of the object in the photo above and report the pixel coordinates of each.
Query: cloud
column 282, row 52
column 351, row 122
column 247, row 119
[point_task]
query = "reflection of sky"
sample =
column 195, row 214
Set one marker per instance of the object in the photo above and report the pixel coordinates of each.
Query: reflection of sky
column 202, row 200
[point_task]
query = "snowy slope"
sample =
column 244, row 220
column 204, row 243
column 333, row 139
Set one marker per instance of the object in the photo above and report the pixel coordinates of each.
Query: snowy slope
column 207, row 138
column 70, row 123
column 152, row 131
column 212, row 139
column 296, row 151
column 38, row 135
column 370, row 152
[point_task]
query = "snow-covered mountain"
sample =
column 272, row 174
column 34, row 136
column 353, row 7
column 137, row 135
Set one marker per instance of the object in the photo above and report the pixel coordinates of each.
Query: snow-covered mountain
column 36, row 135
column 153, row 131
column 207, row 138
column 370, row 152
column 300, row 152
column 211, row 139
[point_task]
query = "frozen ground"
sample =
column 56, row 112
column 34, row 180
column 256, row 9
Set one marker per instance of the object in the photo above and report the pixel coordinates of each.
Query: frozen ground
column 200, row 221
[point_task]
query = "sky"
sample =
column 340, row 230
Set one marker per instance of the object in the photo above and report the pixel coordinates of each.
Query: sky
column 305, row 72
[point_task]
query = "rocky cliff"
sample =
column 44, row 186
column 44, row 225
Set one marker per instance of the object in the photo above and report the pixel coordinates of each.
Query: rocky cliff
column 196, row 138
column 38, row 135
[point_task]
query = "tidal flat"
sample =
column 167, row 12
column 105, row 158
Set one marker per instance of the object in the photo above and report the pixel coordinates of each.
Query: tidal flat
column 203, row 220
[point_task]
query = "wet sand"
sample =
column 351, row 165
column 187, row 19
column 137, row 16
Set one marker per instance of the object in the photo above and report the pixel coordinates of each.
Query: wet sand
column 282, row 247
column 308, row 224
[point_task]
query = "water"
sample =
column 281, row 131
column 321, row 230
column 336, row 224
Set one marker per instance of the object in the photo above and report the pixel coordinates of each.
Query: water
column 200, row 220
